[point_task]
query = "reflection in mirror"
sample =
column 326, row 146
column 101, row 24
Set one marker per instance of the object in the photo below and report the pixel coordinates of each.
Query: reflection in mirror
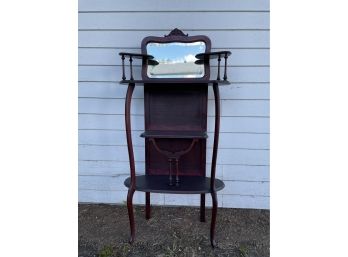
column 176, row 60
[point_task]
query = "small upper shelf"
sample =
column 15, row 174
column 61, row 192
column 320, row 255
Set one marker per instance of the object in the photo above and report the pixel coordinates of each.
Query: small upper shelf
column 144, row 57
column 174, row 134
column 213, row 55
column 137, row 55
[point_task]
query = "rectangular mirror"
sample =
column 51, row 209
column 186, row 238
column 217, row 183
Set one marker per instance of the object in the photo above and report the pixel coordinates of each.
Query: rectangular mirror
column 176, row 60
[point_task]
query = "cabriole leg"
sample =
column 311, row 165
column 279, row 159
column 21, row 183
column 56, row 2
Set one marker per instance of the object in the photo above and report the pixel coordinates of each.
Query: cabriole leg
column 202, row 210
column 131, row 214
column 213, row 219
column 147, row 206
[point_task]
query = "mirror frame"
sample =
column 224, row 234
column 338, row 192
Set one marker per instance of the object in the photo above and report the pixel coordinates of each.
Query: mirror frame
column 176, row 35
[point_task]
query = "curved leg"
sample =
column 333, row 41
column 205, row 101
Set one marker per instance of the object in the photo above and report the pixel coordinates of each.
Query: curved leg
column 147, row 206
column 131, row 214
column 213, row 219
column 202, row 210
column 131, row 160
column 213, row 163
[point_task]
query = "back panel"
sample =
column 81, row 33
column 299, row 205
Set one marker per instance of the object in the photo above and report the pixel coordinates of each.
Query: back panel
column 176, row 108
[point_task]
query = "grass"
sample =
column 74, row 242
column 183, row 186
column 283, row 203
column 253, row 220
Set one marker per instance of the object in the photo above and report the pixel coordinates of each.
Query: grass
column 243, row 251
column 106, row 252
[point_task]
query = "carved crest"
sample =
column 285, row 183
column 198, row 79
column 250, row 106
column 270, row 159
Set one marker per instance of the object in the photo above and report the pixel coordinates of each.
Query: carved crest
column 176, row 32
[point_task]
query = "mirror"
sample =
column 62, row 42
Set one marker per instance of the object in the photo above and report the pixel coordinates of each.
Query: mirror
column 175, row 60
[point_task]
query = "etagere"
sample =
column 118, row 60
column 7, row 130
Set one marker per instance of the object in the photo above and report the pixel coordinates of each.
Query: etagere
column 175, row 74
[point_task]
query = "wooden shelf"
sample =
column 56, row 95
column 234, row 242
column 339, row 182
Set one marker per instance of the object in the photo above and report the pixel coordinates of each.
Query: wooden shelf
column 188, row 184
column 174, row 81
column 174, row 134
column 137, row 55
column 213, row 55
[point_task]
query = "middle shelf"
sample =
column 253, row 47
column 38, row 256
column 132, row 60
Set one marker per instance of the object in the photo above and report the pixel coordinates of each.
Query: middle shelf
column 174, row 134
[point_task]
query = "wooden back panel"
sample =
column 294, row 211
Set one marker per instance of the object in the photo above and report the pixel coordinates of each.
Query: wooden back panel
column 176, row 108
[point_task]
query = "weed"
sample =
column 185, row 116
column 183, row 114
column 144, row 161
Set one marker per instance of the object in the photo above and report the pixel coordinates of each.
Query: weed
column 125, row 249
column 243, row 251
column 106, row 252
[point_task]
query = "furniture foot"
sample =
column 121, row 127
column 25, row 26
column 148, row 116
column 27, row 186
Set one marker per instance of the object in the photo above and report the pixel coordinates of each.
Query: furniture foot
column 147, row 206
column 202, row 210
column 131, row 214
column 213, row 219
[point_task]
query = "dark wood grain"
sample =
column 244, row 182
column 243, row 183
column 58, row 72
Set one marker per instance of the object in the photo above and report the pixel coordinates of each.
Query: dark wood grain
column 213, row 184
column 175, row 133
column 173, row 82
column 216, row 134
column 202, row 208
column 212, row 55
column 188, row 185
column 137, row 55
column 147, row 205
column 175, row 115
column 131, row 161
column 213, row 218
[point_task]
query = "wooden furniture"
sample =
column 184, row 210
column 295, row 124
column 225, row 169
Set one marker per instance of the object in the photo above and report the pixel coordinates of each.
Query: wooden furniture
column 175, row 75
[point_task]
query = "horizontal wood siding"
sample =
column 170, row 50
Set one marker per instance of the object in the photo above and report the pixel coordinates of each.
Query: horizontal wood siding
column 228, row 39
column 173, row 6
column 198, row 20
column 107, row 27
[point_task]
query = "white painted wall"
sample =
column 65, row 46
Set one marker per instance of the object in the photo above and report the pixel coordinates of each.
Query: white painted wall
column 107, row 27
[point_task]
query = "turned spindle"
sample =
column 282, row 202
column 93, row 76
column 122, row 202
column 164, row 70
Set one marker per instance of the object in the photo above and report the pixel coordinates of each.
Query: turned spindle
column 123, row 72
column 131, row 68
column 225, row 72
column 218, row 75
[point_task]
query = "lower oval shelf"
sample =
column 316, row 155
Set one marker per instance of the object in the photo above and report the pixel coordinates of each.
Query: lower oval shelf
column 188, row 184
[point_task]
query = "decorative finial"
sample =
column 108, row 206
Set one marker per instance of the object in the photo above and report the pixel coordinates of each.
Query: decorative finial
column 176, row 32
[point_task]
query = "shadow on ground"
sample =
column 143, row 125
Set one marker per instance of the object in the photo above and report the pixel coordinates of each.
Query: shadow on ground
column 171, row 232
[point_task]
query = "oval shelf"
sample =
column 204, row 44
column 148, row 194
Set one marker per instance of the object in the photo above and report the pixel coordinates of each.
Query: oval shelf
column 188, row 184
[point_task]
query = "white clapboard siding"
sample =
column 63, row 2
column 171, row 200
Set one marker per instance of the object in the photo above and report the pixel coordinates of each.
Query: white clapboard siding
column 132, row 39
column 189, row 200
column 174, row 5
column 106, row 56
column 114, row 90
column 103, row 196
column 256, row 173
column 107, row 27
column 252, row 188
column 113, row 73
column 228, row 124
column 224, row 200
column 228, row 107
column 242, row 201
column 183, row 20
column 108, row 168
column 227, row 140
column 225, row 156
column 245, row 173
column 102, row 182
column 114, row 168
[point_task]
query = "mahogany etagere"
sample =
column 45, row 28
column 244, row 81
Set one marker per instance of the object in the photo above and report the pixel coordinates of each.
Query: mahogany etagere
column 175, row 110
